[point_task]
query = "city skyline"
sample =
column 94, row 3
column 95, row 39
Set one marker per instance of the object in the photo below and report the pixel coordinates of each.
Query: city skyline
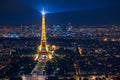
column 16, row 12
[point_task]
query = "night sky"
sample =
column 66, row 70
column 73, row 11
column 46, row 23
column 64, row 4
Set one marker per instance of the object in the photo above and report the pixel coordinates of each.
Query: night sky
column 17, row 12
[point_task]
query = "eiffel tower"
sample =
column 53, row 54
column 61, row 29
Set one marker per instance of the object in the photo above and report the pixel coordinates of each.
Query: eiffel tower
column 43, row 50
column 42, row 56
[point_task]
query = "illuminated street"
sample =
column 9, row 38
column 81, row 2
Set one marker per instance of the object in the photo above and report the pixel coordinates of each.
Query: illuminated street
column 34, row 77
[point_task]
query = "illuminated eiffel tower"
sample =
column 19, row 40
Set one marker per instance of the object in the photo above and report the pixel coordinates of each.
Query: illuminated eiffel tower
column 43, row 55
column 43, row 50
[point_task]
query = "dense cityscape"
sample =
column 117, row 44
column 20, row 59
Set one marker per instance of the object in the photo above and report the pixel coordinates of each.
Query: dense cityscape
column 95, row 51
column 99, row 32
column 59, row 40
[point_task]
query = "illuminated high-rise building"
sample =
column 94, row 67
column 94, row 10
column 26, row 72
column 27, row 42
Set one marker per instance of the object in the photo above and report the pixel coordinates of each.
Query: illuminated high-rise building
column 43, row 50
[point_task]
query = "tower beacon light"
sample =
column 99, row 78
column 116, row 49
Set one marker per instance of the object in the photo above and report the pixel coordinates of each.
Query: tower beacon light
column 43, row 12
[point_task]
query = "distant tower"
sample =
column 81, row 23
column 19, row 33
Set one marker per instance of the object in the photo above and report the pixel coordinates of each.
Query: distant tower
column 43, row 46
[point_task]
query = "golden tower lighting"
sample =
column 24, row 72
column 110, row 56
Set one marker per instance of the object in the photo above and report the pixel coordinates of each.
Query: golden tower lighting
column 43, row 46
